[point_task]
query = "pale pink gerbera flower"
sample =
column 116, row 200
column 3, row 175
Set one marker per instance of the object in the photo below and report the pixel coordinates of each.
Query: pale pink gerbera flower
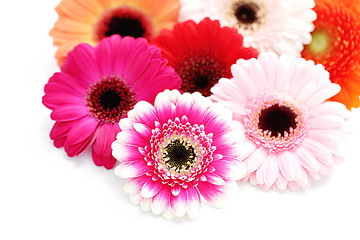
column 176, row 151
column 97, row 87
column 291, row 132
column 281, row 26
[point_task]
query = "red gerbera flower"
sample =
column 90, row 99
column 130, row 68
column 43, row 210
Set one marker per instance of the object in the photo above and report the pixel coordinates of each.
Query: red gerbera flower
column 336, row 45
column 202, row 53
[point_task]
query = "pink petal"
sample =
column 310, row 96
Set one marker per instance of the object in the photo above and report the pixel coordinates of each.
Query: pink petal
column 126, row 153
column 61, row 129
column 226, row 139
column 289, row 165
column 131, row 138
column 322, row 95
column 307, row 159
column 126, row 44
column 229, row 169
column 326, row 121
column 321, row 152
column 136, row 66
column 69, row 112
column 165, row 109
column 134, row 185
column 81, row 65
column 244, row 81
column 107, row 161
column 178, row 204
column 104, row 54
column 143, row 130
column 176, row 190
column 198, row 111
column 82, row 130
column 145, row 114
column 161, row 200
column 217, row 125
column 101, row 139
column 59, row 142
column 149, row 73
column 328, row 138
column 281, row 182
column 168, row 79
column 271, row 169
column 78, row 148
column 183, row 105
column 132, row 169
column 194, row 202
column 151, row 188
column 214, row 179
column 63, row 83
column 218, row 196
column 255, row 160
column 53, row 101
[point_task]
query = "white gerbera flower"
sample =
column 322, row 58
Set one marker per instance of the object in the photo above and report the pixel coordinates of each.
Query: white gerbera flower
column 281, row 26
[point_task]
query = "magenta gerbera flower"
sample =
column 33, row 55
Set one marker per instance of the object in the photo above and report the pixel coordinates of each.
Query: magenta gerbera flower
column 97, row 87
column 292, row 132
column 181, row 148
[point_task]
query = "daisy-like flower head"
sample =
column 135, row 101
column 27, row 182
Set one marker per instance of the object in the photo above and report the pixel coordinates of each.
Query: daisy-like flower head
column 178, row 150
column 292, row 132
column 202, row 53
column 336, row 45
column 89, row 21
column 97, row 87
column 281, row 26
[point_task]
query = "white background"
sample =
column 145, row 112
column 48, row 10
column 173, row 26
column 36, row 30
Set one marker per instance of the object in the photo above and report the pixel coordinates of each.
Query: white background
column 46, row 195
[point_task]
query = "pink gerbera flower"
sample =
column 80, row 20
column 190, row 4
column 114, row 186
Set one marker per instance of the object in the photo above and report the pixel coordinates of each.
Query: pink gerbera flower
column 97, row 87
column 181, row 148
column 291, row 132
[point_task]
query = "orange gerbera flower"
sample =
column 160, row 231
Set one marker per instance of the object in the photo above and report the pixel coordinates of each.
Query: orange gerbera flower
column 89, row 21
column 336, row 45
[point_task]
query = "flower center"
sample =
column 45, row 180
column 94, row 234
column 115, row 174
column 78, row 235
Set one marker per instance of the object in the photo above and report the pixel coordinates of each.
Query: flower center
column 319, row 43
column 110, row 99
column 246, row 12
column 275, row 123
column 277, row 119
column 179, row 154
column 200, row 72
column 179, row 151
column 125, row 21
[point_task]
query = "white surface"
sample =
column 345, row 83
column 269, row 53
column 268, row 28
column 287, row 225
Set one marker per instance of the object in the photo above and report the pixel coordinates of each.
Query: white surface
column 46, row 195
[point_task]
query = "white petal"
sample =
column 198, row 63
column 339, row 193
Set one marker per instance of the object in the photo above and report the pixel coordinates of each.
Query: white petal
column 271, row 169
column 255, row 160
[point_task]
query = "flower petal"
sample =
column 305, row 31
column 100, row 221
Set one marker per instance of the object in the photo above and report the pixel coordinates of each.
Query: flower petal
column 151, row 188
column 178, row 204
column 132, row 169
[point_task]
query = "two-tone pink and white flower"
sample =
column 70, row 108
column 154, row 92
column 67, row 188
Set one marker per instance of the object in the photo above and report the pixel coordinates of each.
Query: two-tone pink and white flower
column 292, row 132
column 174, row 153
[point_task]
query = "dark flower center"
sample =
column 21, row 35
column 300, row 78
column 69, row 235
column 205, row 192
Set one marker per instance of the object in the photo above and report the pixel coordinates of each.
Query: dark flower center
column 179, row 154
column 245, row 12
column 200, row 72
column 124, row 21
column 277, row 119
column 110, row 99
column 125, row 27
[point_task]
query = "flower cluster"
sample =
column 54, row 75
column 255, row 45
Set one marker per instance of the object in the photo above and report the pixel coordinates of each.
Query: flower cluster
column 186, row 99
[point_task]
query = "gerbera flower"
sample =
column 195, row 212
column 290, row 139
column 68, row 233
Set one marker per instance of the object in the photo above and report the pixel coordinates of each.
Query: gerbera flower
column 282, row 26
column 89, row 21
column 202, row 53
column 336, row 45
column 176, row 151
column 291, row 132
column 97, row 87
